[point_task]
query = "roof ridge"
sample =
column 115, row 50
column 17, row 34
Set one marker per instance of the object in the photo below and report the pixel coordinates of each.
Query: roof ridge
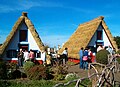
column 100, row 18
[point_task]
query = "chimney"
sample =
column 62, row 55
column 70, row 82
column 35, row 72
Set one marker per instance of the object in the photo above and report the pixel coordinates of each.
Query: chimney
column 101, row 17
column 24, row 14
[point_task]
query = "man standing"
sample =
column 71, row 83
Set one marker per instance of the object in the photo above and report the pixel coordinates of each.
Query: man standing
column 65, row 55
column 81, row 57
column 20, row 58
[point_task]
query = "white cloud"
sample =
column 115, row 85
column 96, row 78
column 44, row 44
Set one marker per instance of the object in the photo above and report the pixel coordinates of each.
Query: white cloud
column 25, row 5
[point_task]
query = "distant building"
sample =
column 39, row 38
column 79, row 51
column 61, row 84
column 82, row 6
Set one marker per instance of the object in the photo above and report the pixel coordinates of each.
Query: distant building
column 91, row 34
column 23, row 35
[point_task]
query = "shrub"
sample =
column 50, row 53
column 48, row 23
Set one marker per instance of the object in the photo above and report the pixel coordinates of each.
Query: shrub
column 27, row 65
column 37, row 72
column 118, row 52
column 102, row 56
column 4, row 83
column 86, row 82
column 3, row 70
column 59, row 72
column 11, row 67
column 118, row 60
column 60, row 69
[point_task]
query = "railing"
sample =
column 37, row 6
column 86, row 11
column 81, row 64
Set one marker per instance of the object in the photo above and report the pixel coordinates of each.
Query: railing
column 103, row 76
column 78, row 81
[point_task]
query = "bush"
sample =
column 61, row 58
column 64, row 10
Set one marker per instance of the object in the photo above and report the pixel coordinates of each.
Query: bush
column 118, row 52
column 3, row 70
column 102, row 56
column 118, row 60
column 87, row 82
column 11, row 67
column 4, row 83
column 59, row 72
column 37, row 72
column 27, row 65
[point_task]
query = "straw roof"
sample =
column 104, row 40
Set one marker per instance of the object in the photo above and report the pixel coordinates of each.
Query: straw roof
column 22, row 19
column 83, row 35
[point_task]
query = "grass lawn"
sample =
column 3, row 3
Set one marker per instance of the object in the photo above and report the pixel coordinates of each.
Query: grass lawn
column 32, row 83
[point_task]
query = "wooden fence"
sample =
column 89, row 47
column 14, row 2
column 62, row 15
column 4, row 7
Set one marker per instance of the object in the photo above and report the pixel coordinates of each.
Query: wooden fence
column 101, row 75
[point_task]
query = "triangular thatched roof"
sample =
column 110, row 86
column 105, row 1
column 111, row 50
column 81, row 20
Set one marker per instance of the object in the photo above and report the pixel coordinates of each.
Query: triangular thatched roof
column 82, row 36
column 30, row 26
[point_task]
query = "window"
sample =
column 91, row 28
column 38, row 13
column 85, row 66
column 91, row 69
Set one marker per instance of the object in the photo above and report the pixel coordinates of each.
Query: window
column 23, row 35
column 23, row 46
column 99, row 35
column 38, row 54
column 12, row 54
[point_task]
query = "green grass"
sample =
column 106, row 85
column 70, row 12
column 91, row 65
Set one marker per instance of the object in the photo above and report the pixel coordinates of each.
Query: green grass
column 30, row 83
column 34, row 83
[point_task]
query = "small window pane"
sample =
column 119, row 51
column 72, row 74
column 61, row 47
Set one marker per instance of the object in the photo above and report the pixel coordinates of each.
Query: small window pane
column 11, row 53
column 23, row 35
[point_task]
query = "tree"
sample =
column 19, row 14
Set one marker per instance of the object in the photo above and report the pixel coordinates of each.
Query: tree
column 117, row 39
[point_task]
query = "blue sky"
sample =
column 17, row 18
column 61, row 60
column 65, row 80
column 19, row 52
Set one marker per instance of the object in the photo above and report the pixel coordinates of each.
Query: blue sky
column 57, row 20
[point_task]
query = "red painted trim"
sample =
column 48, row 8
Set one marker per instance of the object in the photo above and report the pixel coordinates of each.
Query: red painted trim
column 39, row 61
column 12, row 61
column 74, row 60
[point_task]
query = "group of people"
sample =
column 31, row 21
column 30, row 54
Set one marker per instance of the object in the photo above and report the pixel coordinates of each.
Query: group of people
column 24, row 56
column 86, row 56
column 60, row 58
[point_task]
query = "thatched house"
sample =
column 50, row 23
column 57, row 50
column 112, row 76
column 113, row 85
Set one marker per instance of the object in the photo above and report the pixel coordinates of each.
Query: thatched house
column 90, row 34
column 23, row 35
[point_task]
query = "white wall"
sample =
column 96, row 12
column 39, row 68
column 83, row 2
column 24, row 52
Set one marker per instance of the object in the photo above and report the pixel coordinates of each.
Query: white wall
column 106, row 40
column 32, row 43
column 15, row 41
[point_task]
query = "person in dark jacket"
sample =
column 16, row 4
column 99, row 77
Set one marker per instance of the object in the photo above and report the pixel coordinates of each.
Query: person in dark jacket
column 85, row 59
column 20, row 58
column 81, row 57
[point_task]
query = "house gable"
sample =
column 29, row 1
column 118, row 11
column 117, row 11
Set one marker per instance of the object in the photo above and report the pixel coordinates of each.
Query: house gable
column 85, row 36
column 22, row 34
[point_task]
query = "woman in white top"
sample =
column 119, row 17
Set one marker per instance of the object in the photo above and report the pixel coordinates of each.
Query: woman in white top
column 65, row 55
column 26, row 56
column 43, row 56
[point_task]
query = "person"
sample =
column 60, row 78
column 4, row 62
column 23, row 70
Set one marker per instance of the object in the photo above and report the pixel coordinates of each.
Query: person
column 85, row 59
column 91, row 57
column 26, row 56
column 20, row 58
column 65, row 55
column 109, row 49
column 100, row 47
column 81, row 57
column 31, row 55
column 43, row 57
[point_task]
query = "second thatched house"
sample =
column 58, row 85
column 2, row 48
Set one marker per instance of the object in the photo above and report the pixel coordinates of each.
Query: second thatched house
column 90, row 34
column 23, row 35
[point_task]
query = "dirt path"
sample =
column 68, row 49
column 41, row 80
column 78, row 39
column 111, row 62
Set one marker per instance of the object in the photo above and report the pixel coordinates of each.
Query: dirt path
column 75, row 69
column 84, row 73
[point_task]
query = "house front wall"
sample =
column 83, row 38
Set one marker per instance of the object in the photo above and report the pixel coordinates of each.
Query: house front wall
column 105, row 40
column 15, row 42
